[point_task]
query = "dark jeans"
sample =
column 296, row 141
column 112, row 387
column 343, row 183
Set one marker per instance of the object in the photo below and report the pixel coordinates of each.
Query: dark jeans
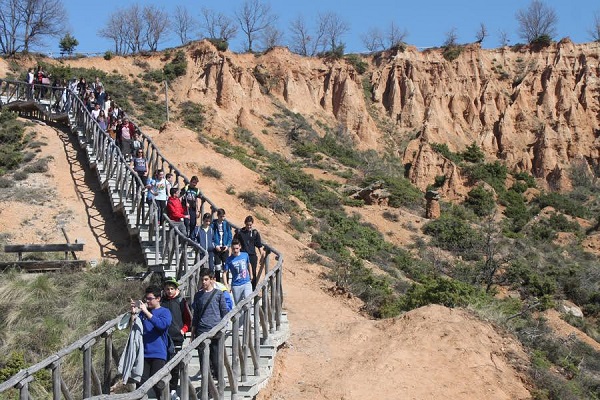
column 174, row 382
column 220, row 258
column 161, row 205
column 190, row 223
column 253, row 264
column 213, row 357
column 151, row 366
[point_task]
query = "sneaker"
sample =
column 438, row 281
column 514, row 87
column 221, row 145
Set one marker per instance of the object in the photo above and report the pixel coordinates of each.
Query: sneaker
column 174, row 395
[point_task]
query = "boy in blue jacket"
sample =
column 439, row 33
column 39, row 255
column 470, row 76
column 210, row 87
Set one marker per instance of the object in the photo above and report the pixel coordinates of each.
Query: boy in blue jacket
column 155, row 321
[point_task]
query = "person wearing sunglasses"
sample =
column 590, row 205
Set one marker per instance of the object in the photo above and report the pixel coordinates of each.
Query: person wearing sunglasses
column 155, row 321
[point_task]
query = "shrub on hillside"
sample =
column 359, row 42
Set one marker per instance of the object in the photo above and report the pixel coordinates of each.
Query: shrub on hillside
column 452, row 232
column 480, row 201
column 192, row 115
column 473, row 154
column 357, row 62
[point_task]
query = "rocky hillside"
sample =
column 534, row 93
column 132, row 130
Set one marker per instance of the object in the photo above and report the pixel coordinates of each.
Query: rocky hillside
column 536, row 111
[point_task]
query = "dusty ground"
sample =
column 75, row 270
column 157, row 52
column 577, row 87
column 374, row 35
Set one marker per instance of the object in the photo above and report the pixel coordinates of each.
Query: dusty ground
column 66, row 196
column 334, row 352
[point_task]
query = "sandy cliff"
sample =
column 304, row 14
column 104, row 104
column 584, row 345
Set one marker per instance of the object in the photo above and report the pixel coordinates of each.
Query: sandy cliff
column 536, row 111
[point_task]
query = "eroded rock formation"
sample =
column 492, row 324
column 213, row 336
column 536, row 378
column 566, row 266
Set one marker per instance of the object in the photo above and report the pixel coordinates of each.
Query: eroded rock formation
column 536, row 111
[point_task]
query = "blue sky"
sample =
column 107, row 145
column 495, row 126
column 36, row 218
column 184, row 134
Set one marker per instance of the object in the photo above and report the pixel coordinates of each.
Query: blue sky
column 426, row 21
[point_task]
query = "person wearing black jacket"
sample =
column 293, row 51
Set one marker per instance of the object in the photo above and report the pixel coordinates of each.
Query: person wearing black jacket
column 250, row 240
column 180, row 324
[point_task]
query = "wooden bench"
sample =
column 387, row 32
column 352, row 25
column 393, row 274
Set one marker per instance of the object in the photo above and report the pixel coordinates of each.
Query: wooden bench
column 44, row 265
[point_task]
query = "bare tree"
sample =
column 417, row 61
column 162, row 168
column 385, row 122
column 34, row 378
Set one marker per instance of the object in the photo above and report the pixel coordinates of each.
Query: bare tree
column 135, row 32
column 271, row 37
column 116, row 30
column 503, row 38
column 183, row 24
column 595, row 31
column 302, row 41
column 216, row 25
column 395, row 35
column 451, row 38
column 157, row 25
column 25, row 23
column 300, row 38
column 537, row 20
column 254, row 17
column 373, row 39
column 481, row 34
column 333, row 28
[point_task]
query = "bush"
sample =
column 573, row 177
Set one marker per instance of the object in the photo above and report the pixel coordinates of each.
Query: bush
column 39, row 166
column 541, row 42
column 253, row 199
column 562, row 203
column 220, row 44
column 443, row 149
column 438, row 290
column 473, row 154
column 211, row 172
column 357, row 62
column 452, row 232
column 176, row 67
column 108, row 55
column 20, row 175
column 480, row 201
column 192, row 115
column 516, row 210
column 493, row 173
column 451, row 53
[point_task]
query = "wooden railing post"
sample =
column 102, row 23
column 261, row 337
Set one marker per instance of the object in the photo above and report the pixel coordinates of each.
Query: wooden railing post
column 23, row 387
column 108, row 350
column 87, row 368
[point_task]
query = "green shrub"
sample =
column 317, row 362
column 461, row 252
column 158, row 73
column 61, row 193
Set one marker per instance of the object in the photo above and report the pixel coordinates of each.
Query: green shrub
column 254, row 199
column 516, row 210
column 443, row 149
column 540, row 42
column 192, row 115
column 493, row 173
column 451, row 53
column 211, row 172
column 452, row 232
column 473, row 154
column 357, row 62
column 480, row 201
column 108, row 55
column 438, row 290
column 527, row 178
column 562, row 203
column 220, row 44
column 176, row 67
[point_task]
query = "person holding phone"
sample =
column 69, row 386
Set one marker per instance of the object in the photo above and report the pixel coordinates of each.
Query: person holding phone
column 155, row 321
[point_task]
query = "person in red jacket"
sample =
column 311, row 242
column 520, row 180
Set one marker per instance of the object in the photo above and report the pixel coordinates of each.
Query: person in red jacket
column 175, row 210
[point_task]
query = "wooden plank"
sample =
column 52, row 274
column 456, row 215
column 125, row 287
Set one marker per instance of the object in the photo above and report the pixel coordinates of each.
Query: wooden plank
column 22, row 248
column 44, row 265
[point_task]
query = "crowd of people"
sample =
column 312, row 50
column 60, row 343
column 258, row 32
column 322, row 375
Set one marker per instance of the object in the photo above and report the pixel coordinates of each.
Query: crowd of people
column 163, row 317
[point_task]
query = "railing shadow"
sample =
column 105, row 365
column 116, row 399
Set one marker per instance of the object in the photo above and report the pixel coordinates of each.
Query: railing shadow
column 261, row 312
